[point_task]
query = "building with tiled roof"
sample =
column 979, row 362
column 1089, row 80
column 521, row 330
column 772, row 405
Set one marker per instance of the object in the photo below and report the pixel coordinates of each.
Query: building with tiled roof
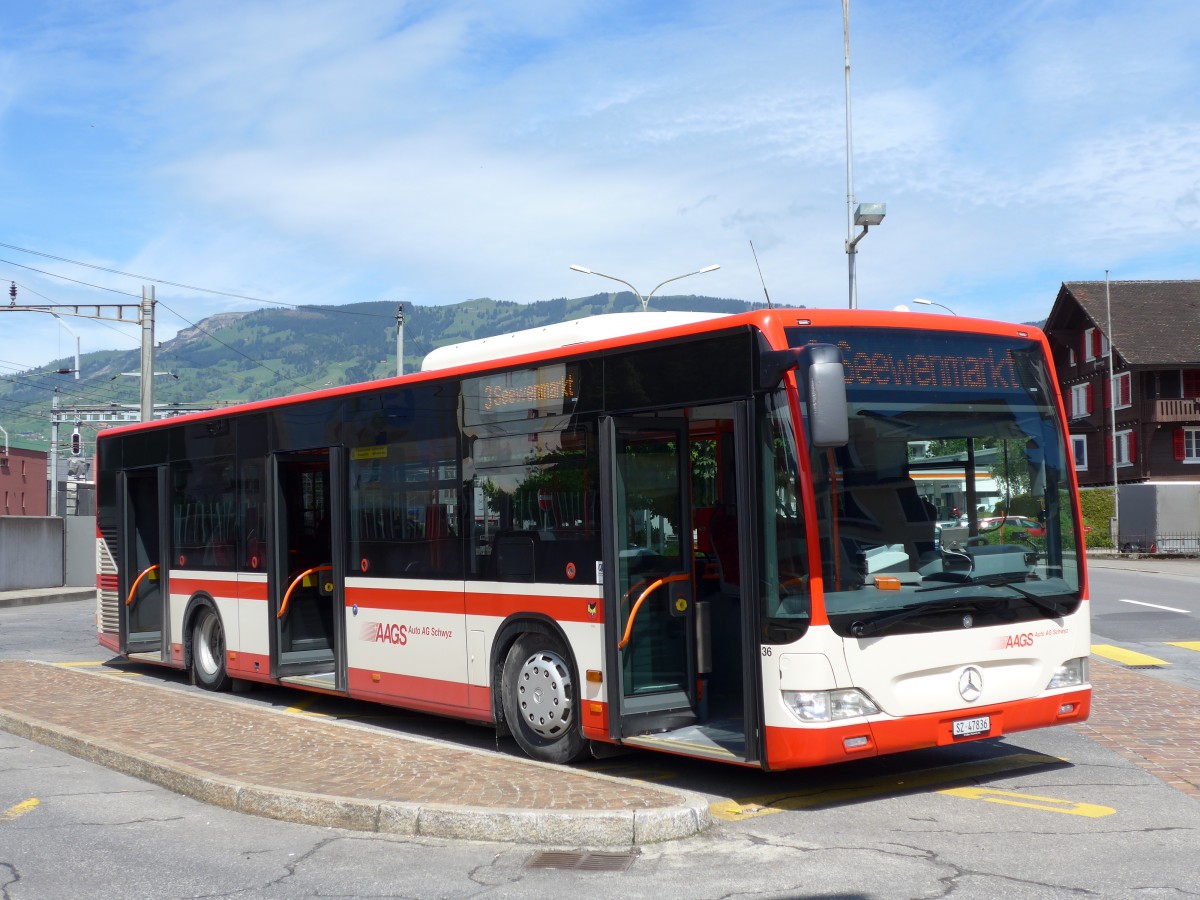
column 1147, row 419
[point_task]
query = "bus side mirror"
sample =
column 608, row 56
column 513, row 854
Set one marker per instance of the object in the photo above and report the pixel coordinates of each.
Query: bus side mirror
column 828, row 413
column 822, row 380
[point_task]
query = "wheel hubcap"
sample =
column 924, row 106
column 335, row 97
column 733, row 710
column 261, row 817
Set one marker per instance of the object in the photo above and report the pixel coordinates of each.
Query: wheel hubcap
column 545, row 694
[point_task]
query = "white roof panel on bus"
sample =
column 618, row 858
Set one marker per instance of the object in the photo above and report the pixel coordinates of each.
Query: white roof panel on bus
column 560, row 334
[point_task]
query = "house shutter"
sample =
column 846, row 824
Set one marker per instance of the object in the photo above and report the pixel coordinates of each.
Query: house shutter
column 1096, row 342
column 1108, row 449
column 1132, row 446
column 1107, row 392
column 1179, row 444
column 1089, row 398
column 1126, row 388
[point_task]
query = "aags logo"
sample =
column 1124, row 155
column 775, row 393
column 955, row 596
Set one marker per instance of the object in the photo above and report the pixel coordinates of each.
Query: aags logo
column 1016, row 640
column 383, row 633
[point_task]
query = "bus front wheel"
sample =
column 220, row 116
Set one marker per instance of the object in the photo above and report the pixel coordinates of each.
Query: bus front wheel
column 541, row 703
column 208, row 651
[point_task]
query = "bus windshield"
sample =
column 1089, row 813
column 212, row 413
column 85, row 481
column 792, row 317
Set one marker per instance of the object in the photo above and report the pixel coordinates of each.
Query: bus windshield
column 951, row 502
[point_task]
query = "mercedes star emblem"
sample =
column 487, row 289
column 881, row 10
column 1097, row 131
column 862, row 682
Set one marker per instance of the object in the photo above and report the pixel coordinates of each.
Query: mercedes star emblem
column 970, row 684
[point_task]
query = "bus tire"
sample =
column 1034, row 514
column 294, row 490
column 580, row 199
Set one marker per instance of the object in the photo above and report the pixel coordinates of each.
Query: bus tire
column 208, row 650
column 540, row 699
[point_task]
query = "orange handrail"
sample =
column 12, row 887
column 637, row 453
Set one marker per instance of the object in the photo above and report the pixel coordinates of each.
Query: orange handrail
column 133, row 590
column 682, row 576
column 295, row 581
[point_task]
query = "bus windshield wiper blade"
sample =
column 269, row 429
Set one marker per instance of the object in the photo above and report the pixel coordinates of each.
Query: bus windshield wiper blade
column 1045, row 604
column 875, row 626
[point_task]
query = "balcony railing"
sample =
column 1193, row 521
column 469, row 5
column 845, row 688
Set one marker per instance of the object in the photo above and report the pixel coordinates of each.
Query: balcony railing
column 1176, row 410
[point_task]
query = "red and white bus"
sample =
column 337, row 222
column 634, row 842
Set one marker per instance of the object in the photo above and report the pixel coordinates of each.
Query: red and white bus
column 692, row 533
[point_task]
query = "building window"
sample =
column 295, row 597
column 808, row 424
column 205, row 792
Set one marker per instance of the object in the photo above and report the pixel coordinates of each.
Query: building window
column 1081, row 400
column 1070, row 356
column 1123, row 394
column 1095, row 344
column 1187, row 445
column 1191, row 383
column 1126, row 449
column 1079, row 452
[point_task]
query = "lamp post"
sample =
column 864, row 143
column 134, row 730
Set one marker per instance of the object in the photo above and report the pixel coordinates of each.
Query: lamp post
column 865, row 215
column 1114, row 526
column 644, row 300
column 861, row 214
column 932, row 303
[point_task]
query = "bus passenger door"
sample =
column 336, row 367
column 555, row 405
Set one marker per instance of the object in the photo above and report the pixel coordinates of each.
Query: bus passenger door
column 145, row 561
column 306, row 577
column 648, row 580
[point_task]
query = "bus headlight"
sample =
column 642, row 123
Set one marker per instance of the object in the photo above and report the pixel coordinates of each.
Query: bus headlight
column 1069, row 674
column 829, row 706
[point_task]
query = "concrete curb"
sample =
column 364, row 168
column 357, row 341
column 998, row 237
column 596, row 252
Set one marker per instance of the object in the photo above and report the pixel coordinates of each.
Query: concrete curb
column 569, row 829
column 34, row 596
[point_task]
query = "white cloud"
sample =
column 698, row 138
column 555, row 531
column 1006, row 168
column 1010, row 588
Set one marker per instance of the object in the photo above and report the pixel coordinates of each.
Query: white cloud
column 336, row 151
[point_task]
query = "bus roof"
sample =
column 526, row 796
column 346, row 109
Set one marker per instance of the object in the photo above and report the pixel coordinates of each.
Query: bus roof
column 602, row 331
column 556, row 336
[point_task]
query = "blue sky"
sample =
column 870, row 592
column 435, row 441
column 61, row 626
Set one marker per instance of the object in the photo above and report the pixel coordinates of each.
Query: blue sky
column 433, row 152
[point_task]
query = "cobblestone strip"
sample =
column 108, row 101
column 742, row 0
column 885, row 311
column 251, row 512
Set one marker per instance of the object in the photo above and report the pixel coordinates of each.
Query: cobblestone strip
column 274, row 764
column 1151, row 722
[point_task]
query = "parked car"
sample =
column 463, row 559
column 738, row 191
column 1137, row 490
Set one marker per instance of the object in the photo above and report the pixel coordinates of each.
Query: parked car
column 1017, row 526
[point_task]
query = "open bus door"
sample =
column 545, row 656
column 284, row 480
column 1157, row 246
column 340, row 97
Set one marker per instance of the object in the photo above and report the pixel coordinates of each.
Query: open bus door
column 648, row 582
column 680, row 594
column 306, row 581
column 145, row 547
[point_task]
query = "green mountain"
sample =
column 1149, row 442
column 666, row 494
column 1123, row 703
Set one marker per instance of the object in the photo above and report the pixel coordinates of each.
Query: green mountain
column 235, row 357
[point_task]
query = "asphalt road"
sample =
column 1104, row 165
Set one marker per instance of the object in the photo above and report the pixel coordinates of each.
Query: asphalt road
column 1043, row 814
column 1150, row 608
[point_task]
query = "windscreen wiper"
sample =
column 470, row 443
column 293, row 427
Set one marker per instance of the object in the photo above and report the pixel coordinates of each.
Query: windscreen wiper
column 1045, row 604
column 866, row 629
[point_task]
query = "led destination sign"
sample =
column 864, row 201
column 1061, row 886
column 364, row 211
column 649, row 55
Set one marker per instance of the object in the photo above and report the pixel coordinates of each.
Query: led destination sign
column 520, row 393
column 894, row 359
column 499, row 396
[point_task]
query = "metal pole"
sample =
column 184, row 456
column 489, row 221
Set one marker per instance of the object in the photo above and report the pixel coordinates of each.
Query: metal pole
column 146, row 319
column 53, row 511
column 1112, row 416
column 400, row 339
column 850, row 250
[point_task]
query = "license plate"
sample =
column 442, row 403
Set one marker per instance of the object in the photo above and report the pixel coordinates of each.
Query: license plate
column 971, row 727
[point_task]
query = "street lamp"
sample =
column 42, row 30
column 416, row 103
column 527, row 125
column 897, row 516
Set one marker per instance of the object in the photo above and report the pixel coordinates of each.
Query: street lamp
column 932, row 303
column 865, row 215
column 645, row 300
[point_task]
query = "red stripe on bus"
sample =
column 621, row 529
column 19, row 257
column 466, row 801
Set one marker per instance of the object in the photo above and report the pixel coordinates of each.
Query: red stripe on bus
column 407, row 600
column 476, row 603
column 181, row 584
column 562, row 609
column 425, row 694
column 792, row 748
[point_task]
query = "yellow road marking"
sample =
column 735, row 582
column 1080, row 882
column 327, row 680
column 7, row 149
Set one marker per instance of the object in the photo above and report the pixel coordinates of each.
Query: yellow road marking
column 633, row 773
column 1126, row 657
column 301, row 709
column 71, row 665
column 1030, row 801
column 749, row 807
column 1186, row 645
column 20, row 809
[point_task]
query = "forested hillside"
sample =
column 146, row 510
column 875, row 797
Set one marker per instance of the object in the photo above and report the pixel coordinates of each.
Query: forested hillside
column 234, row 357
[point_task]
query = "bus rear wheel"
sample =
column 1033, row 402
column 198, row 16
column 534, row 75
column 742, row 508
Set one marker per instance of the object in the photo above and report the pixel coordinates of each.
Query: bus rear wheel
column 541, row 703
column 208, row 651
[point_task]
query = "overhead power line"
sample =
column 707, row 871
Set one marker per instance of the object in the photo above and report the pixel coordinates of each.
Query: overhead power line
column 163, row 281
